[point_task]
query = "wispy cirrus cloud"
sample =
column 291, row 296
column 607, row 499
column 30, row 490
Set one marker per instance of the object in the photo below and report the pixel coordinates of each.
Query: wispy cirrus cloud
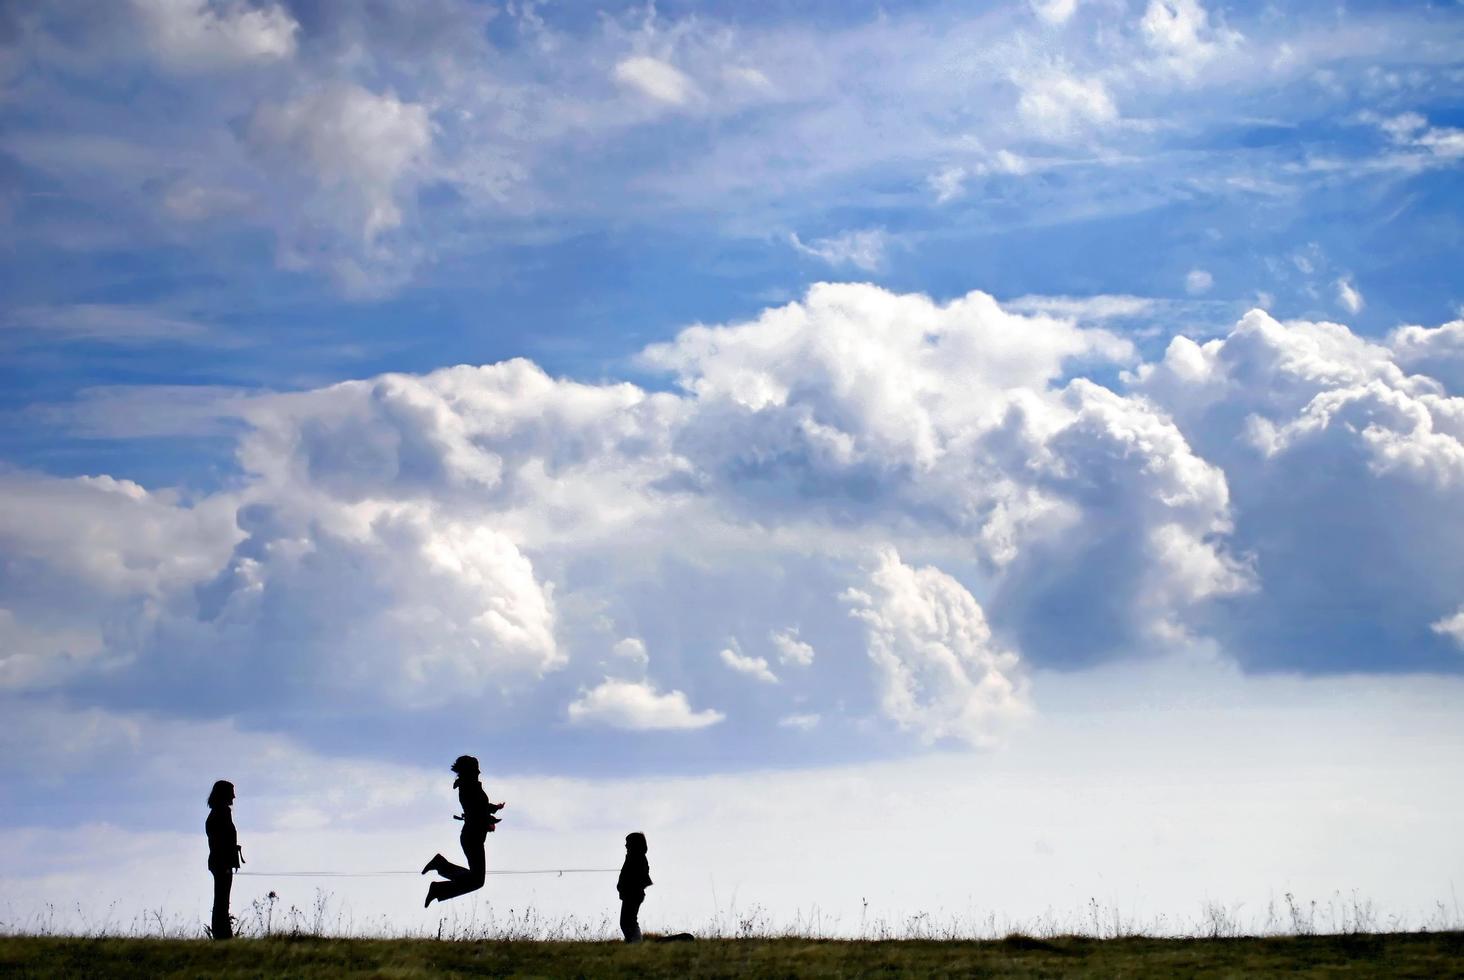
column 110, row 323
column 863, row 249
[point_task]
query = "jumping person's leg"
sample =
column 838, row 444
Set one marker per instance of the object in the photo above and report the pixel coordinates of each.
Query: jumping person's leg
column 223, row 881
column 452, row 872
column 462, row 880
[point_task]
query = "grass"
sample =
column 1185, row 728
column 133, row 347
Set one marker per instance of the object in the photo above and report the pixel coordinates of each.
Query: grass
column 1339, row 937
column 1359, row 955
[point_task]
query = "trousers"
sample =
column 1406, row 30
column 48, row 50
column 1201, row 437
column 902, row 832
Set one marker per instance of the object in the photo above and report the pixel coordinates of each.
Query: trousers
column 630, row 916
column 223, row 881
column 461, row 880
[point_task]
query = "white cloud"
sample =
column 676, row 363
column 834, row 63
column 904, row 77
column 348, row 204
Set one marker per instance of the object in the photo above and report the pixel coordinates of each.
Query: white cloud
column 1197, row 282
column 107, row 322
column 639, row 707
column 1180, row 31
column 1411, row 130
column 742, row 76
column 190, row 202
column 1054, row 11
column 1062, row 105
column 475, row 535
column 33, row 656
column 360, row 155
column 755, row 667
column 941, row 676
column 1444, row 142
column 200, row 35
column 1437, row 352
column 1006, row 162
column 112, row 537
column 1100, row 307
column 631, row 648
column 1348, row 295
column 863, row 249
column 1318, row 428
column 1452, row 627
column 655, row 79
column 791, row 650
column 948, row 183
column 1403, row 126
column 801, row 722
column 1263, row 796
column 425, row 609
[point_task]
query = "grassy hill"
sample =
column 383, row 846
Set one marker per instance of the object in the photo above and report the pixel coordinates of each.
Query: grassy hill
column 1394, row 955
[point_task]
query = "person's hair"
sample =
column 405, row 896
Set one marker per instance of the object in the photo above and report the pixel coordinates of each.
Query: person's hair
column 465, row 764
column 636, row 842
column 221, row 794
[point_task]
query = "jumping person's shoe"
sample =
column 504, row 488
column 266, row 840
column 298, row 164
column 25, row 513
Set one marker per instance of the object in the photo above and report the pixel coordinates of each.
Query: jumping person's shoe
column 432, row 865
column 432, row 893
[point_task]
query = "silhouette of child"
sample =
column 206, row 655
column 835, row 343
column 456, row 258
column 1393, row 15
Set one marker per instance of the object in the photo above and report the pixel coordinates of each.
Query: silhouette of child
column 478, row 821
column 635, row 878
column 224, row 854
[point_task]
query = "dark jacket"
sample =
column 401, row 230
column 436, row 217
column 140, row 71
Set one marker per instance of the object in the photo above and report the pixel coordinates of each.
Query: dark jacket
column 223, row 840
column 477, row 811
column 635, row 876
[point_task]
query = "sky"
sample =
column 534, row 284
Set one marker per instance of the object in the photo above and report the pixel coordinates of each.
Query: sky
column 966, row 459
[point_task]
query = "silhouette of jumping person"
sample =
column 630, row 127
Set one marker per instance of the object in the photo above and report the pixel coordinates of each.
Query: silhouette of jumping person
column 224, row 854
column 478, row 820
column 635, row 878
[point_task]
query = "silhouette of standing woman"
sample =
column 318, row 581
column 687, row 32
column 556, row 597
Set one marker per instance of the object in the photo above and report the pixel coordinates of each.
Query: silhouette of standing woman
column 478, row 820
column 635, row 878
column 224, row 854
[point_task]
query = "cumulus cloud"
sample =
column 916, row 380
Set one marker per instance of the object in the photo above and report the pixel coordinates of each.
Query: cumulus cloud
column 1410, row 131
column 1181, row 33
column 1348, row 296
column 484, row 535
column 863, row 249
column 359, row 154
column 1340, row 464
column 949, row 183
column 633, row 649
column 203, row 35
column 1437, row 352
column 1197, row 282
column 33, row 656
column 1059, row 104
column 460, row 606
column 86, row 563
column 110, row 537
column 1054, row 11
column 791, row 650
column 1452, row 627
column 941, row 676
column 655, row 79
column 755, row 667
column 639, row 707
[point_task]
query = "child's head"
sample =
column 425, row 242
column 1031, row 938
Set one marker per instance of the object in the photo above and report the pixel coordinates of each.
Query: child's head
column 635, row 843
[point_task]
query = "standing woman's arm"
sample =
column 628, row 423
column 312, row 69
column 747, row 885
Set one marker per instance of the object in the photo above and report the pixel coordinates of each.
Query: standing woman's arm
column 236, row 853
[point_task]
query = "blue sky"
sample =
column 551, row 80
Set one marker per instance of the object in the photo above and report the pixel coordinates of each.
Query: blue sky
column 674, row 391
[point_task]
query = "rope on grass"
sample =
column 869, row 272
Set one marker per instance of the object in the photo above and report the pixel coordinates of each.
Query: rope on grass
column 561, row 872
